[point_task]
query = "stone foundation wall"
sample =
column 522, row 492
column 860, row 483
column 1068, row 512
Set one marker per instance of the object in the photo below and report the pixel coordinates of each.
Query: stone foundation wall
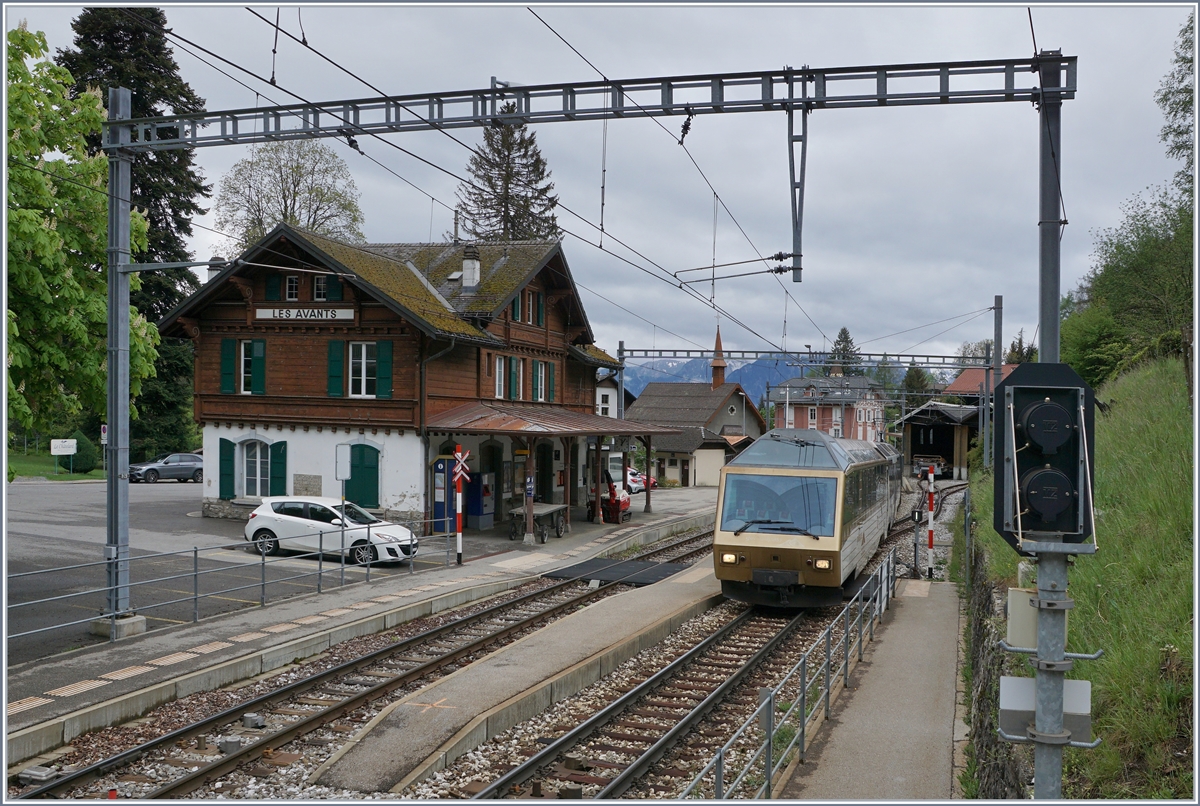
column 222, row 508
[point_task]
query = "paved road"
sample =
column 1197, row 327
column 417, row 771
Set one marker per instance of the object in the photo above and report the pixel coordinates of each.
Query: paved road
column 54, row 525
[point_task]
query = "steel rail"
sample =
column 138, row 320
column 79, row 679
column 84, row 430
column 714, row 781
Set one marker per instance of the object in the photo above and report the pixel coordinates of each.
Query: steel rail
column 525, row 771
column 656, row 751
column 219, row 767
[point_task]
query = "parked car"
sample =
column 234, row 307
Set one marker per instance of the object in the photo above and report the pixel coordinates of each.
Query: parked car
column 310, row 523
column 635, row 480
column 178, row 466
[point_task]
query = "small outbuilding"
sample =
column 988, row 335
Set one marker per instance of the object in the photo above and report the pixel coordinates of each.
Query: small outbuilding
column 942, row 430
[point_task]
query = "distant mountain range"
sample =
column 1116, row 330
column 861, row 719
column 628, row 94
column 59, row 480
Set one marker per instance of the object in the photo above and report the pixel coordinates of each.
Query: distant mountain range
column 752, row 375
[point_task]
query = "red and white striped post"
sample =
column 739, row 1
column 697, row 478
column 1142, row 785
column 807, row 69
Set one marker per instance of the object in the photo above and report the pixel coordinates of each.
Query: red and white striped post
column 929, row 569
column 460, row 472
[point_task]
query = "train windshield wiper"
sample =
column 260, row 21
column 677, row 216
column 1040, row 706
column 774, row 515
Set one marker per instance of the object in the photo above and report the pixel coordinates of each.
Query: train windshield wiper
column 787, row 526
column 803, row 443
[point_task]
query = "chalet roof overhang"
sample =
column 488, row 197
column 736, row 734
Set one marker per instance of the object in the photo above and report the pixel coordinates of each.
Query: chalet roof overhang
column 533, row 420
column 428, row 315
column 593, row 356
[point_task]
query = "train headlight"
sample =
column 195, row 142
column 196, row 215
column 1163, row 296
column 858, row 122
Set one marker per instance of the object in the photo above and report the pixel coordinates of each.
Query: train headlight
column 729, row 559
column 823, row 564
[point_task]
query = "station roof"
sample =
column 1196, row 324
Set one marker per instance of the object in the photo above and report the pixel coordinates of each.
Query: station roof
column 532, row 419
column 936, row 412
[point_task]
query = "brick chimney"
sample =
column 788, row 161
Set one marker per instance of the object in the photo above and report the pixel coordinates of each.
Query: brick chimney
column 718, row 363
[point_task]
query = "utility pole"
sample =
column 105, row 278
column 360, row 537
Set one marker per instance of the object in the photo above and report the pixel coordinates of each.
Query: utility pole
column 116, row 547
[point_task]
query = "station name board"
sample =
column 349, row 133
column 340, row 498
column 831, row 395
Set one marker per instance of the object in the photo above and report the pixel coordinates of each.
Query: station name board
column 307, row 314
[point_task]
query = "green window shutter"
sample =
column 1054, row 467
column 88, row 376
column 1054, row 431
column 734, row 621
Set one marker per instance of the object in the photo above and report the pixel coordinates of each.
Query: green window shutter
column 516, row 308
column 228, row 366
column 512, row 378
column 273, row 294
column 383, row 370
column 337, row 354
column 258, row 367
column 541, row 309
column 225, row 470
column 278, row 468
column 537, row 386
column 333, row 289
column 550, row 382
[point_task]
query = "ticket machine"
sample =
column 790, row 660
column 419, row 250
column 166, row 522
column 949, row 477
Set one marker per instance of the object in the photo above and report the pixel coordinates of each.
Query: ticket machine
column 481, row 501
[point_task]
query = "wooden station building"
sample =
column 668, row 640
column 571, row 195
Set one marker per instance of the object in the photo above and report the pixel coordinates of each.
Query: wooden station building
column 400, row 351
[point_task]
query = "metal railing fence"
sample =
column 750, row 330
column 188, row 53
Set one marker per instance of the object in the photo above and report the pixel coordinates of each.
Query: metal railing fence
column 816, row 668
column 196, row 574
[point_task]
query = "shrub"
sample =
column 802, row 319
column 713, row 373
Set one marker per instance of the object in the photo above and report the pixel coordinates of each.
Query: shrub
column 87, row 457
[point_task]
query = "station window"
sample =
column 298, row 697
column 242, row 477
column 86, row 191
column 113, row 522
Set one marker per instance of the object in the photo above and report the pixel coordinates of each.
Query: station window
column 293, row 288
column 320, row 284
column 362, row 369
column 499, row 377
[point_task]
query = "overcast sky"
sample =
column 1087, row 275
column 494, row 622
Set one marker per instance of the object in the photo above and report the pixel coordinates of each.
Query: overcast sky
column 912, row 215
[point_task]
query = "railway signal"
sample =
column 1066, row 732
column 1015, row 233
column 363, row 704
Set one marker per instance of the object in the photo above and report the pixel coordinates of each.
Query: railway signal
column 1045, row 455
column 1046, row 451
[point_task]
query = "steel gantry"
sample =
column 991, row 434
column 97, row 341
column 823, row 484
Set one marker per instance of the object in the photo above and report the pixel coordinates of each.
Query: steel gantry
column 797, row 92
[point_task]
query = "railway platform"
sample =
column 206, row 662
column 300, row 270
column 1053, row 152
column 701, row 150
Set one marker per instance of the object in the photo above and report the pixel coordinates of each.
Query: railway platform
column 50, row 702
column 897, row 732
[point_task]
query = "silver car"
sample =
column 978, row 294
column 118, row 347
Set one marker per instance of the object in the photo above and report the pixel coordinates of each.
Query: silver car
column 311, row 524
column 178, row 466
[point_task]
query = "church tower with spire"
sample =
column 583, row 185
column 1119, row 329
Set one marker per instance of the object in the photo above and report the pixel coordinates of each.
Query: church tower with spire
column 718, row 363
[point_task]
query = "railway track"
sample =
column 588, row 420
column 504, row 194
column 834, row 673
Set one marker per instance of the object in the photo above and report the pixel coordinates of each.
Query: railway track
column 252, row 731
column 608, row 753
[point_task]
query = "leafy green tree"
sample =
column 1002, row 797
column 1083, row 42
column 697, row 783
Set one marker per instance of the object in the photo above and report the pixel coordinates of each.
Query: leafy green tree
column 1175, row 97
column 886, row 373
column 1093, row 344
column 114, row 49
column 510, row 198
column 976, row 352
column 1019, row 352
column 57, row 246
column 916, row 380
column 844, row 354
column 298, row 182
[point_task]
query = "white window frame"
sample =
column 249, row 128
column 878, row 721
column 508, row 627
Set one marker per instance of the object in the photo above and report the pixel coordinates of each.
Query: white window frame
column 540, row 397
column 262, row 466
column 837, row 414
column 529, row 302
column 245, row 366
column 501, row 375
column 363, row 369
column 812, row 416
column 292, row 288
column 521, row 379
column 320, row 288
column 603, row 404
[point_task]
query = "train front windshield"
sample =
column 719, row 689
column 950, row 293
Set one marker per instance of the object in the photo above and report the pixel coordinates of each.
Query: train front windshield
column 779, row 504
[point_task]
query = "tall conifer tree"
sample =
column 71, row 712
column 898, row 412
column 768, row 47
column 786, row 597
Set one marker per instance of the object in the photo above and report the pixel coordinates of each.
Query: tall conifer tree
column 511, row 197
column 116, row 47
column 844, row 354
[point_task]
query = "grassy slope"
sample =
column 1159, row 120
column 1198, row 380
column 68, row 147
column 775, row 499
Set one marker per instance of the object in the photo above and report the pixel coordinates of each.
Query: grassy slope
column 1134, row 598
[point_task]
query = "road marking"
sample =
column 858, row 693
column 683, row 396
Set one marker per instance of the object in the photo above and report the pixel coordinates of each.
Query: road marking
column 425, row 706
column 310, row 619
column 128, row 671
column 361, row 605
column 337, row 611
column 248, row 636
column 287, row 625
column 204, row 649
column 25, row 704
column 170, row 660
column 77, row 688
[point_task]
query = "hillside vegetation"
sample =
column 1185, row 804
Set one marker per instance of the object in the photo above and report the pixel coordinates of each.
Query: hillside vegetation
column 1134, row 597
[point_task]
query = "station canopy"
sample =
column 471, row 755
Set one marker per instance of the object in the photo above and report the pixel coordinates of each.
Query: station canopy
column 531, row 420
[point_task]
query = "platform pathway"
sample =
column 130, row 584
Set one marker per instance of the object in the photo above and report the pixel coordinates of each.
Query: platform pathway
column 892, row 733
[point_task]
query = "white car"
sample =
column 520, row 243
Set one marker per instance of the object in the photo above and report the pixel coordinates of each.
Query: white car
column 308, row 523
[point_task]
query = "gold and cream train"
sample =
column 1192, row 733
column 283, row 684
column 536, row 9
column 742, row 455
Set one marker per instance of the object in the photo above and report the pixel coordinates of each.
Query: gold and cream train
column 799, row 515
